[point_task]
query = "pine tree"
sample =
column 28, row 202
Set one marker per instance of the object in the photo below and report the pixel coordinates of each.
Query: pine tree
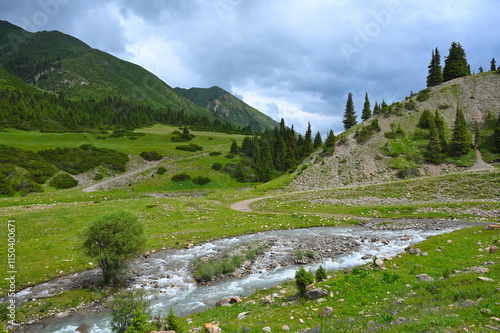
column 441, row 130
column 496, row 137
column 434, row 150
column 367, row 113
column 290, row 161
column 435, row 75
column 455, row 64
column 349, row 114
column 376, row 109
column 493, row 66
column 308, row 144
column 330, row 141
column 481, row 69
column 318, row 141
column 460, row 139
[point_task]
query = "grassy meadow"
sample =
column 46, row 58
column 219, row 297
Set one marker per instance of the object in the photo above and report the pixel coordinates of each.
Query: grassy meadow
column 49, row 226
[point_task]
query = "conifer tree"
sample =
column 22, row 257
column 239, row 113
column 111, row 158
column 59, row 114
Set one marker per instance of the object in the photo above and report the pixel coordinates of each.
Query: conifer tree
column 441, row 130
column 318, row 141
column 349, row 114
column 481, row 69
column 383, row 106
column 376, row 109
column 455, row 64
column 435, row 75
column 290, row 161
column 330, row 141
column 493, row 66
column 367, row 113
column 496, row 137
column 460, row 139
column 308, row 143
column 434, row 150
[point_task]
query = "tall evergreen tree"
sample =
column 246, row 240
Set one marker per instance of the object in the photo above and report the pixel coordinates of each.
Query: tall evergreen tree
column 496, row 137
column 308, row 143
column 455, row 64
column 349, row 114
column 493, row 66
column 435, row 75
column 330, row 141
column 376, row 109
column 290, row 161
column 441, row 130
column 434, row 152
column 367, row 113
column 460, row 139
column 318, row 141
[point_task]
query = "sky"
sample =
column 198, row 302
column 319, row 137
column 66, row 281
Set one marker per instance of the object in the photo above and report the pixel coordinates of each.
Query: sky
column 291, row 59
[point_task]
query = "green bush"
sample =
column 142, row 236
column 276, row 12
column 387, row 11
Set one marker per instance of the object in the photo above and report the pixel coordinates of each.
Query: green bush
column 200, row 180
column 214, row 153
column 62, row 181
column 151, row 156
column 303, row 279
column 320, row 274
column 181, row 177
column 124, row 307
column 216, row 166
column 230, row 156
column 423, row 95
column 190, row 147
column 161, row 170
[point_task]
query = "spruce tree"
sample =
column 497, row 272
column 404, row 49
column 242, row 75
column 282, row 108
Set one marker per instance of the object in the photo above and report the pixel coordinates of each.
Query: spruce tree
column 493, row 66
column 435, row 75
column 308, row 143
column 460, row 139
column 496, row 137
column 318, row 141
column 367, row 113
column 349, row 114
column 455, row 64
column 441, row 130
column 330, row 141
column 290, row 161
column 481, row 69
column 434, row 152
column 376, row 109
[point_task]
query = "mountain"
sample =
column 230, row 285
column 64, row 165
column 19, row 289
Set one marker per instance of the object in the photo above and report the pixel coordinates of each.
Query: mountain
column 369, row 162
column 226, row 106
column 56, row 62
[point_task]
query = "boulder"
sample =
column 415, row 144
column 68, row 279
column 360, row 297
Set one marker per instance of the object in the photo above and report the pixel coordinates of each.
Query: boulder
column 379, row 262
column 235, row 299
column 480, row 269
column 327, row 311
column 211, row 328
column 316, row 293
column 83, row 329
column 414, row 251
column 424, row 278
column 367, row 256
column 222, row 302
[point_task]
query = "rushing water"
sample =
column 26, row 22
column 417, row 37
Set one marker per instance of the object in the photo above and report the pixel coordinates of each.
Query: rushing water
column 169, row 270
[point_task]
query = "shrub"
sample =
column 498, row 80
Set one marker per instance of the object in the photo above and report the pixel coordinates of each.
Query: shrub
column 111, row 239
column 124, row 307
column 320, row 274
column 205, row 270
column 62, row 181
column 216, row 166
column 151, row 156
column 303, row 279
column 389, row 277
column 423, row 95
column 161, row 170
column 200, row 180
column 190, row 147
column 98, row 176
column 173, row 323
column 181, row 177
column 214, row 153
column 230, row 156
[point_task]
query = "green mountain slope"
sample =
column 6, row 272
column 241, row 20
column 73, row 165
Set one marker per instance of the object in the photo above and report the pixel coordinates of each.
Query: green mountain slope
column 226, row 106
column 60, row 63
column 369, row 162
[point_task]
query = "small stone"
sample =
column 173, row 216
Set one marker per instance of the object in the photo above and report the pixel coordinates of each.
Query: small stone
column 211, row 328
column 243, row 315
column 425, row 254
column 424, row 278
column 486, row 312
column 480, row 269
column 285, row 328
column 449, row 241
column 437, row 250
column 493, row 248
column 301, row 321
column 379, row 262
column 482, row 278
column 321, row 300
column 327, row 311
column 266, row 329
column 266, row 300
column 400, row 300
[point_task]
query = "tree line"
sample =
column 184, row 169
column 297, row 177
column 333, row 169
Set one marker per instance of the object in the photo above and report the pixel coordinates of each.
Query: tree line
column 49, row 112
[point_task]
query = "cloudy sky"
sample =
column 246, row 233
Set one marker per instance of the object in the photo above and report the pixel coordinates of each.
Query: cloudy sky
column 291, row 59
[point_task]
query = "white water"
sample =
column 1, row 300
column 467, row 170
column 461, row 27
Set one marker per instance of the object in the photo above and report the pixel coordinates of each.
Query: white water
column 178, row 289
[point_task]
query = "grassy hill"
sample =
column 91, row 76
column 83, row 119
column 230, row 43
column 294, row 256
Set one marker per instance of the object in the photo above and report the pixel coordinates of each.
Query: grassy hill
column 380, row 159
column 225, row 105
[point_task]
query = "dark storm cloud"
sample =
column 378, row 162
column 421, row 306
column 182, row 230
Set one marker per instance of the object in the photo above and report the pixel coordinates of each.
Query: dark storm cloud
column 291, row 59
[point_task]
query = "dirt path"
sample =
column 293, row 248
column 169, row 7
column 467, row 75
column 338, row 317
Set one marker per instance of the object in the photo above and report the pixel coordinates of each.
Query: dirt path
column 244, row 206
column 110, row 181
column 481, row 165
